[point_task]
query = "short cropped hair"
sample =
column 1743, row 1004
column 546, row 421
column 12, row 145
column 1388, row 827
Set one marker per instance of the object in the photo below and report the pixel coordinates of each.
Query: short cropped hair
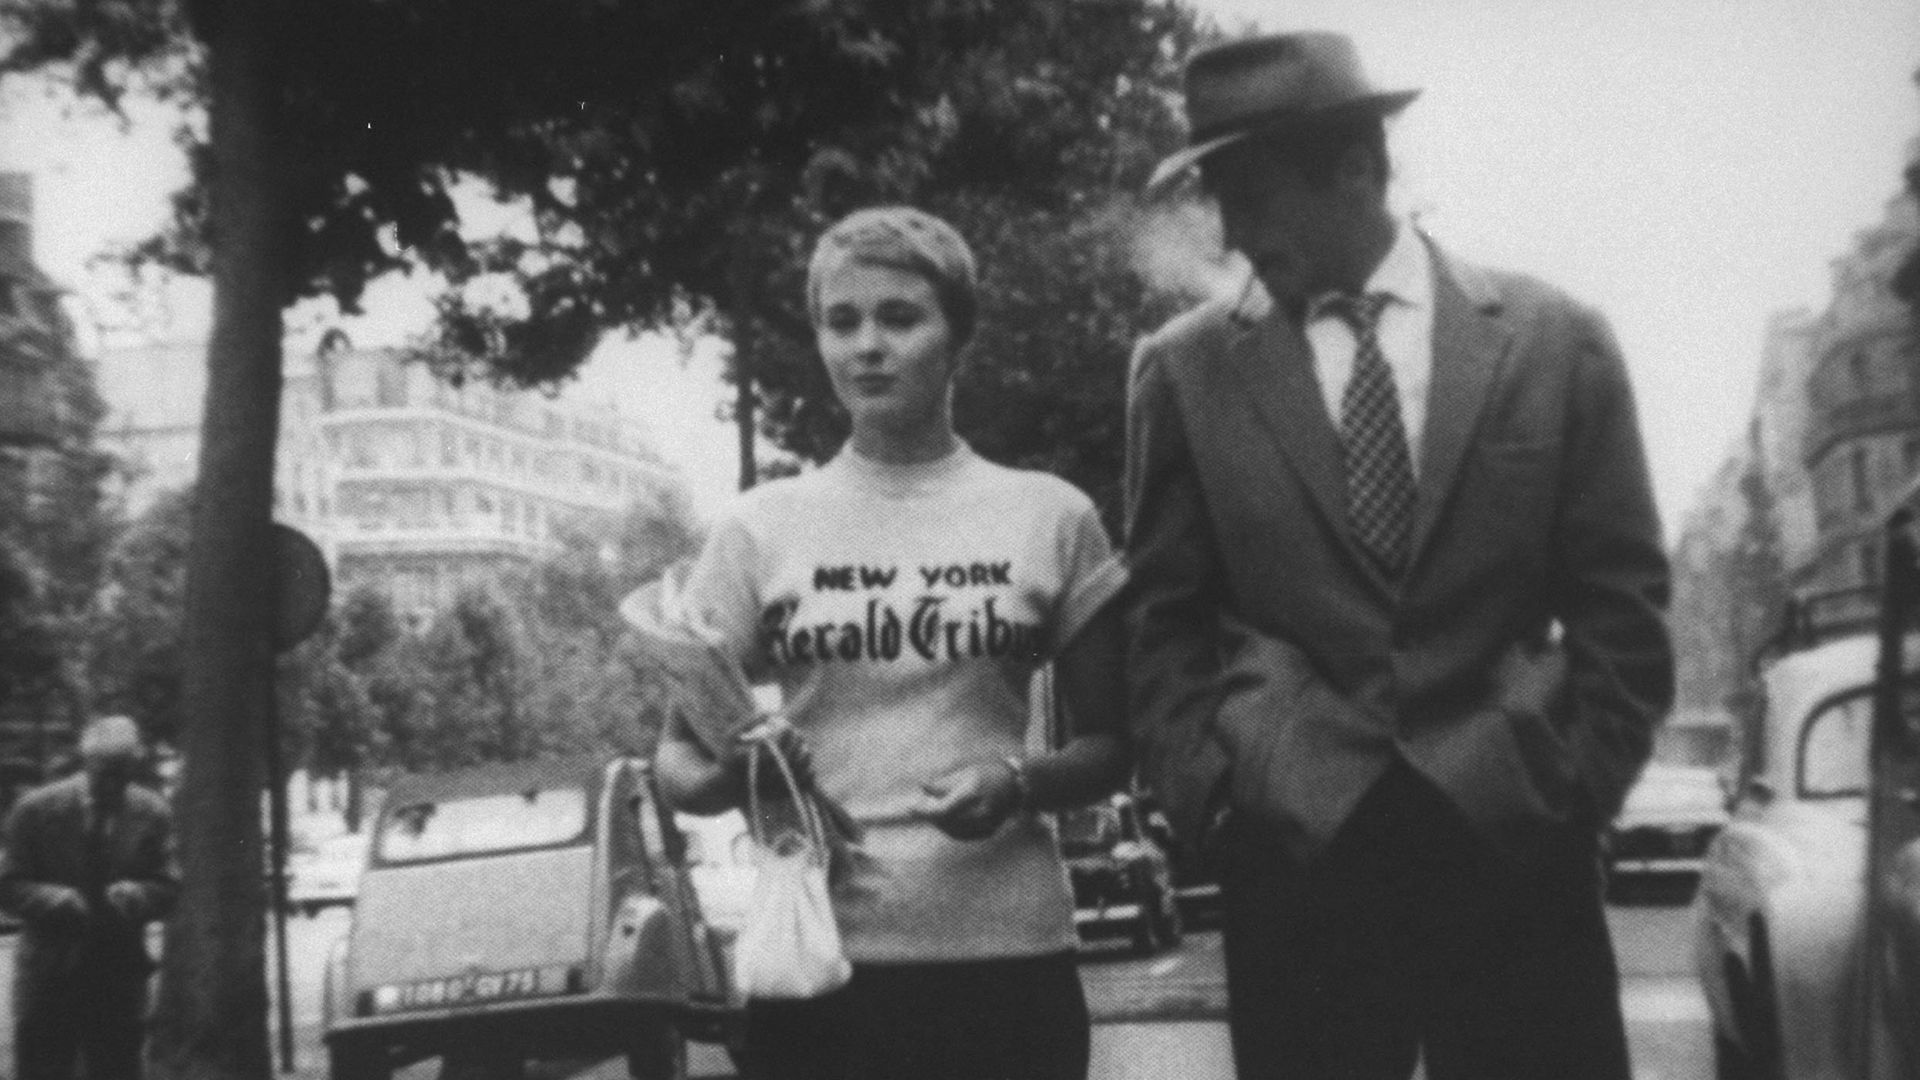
column 906, row 239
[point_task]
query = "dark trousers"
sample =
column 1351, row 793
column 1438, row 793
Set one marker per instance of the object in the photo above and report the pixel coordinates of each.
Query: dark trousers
column 1015, row 1019
column 64, row 1018
column 1410, row 936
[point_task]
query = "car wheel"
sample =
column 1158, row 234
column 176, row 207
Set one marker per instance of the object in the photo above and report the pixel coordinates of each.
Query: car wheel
column 658, row 1052
column 357, row 1061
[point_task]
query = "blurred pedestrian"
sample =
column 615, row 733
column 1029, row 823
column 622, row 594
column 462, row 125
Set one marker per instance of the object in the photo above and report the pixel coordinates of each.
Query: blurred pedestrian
column 902, row 597
column 88, row 864
column 1395, row 612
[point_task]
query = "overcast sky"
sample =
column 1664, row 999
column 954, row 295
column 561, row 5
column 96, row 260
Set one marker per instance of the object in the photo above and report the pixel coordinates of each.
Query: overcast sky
column 1688, row 166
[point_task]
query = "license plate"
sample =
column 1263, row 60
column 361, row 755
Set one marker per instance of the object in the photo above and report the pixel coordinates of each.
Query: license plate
column 470, row 989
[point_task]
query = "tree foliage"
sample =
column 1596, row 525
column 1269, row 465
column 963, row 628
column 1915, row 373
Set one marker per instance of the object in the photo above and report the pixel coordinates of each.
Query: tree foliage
column 677, row 160
column 57, row 519
column 134, row 657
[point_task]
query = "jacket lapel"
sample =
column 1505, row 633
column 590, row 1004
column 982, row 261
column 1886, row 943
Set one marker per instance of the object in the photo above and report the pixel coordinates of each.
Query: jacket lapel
column 1271, row 361
column 1469, row 344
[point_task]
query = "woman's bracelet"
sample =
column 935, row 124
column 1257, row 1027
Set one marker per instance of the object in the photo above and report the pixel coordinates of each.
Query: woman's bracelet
column 1022, row 783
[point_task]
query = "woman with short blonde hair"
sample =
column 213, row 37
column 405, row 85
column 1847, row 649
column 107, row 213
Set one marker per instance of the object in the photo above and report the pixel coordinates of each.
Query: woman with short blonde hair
column 902, row 596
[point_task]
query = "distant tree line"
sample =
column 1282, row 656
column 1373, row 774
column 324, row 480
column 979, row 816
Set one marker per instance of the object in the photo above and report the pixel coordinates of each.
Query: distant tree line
column 533, row 664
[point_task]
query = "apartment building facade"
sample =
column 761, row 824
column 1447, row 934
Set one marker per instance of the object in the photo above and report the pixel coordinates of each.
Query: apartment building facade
column 406, row 480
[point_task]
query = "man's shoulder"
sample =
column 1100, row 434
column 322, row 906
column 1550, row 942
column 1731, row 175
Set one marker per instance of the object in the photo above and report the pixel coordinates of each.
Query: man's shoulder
column 1513, row 292
column 1191, row 335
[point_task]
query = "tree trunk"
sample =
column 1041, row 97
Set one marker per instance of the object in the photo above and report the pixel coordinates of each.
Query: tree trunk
column 743, row 406
column 210, row 1020
column 356, row 797
column 739, row 311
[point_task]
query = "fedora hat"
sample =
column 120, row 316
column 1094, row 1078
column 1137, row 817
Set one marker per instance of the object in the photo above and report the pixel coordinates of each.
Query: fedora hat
column 1283, row 80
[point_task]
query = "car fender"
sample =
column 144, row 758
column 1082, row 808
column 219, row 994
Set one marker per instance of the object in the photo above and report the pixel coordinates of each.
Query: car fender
column 1779, row 877
column 640, row 961
column 1814, row 933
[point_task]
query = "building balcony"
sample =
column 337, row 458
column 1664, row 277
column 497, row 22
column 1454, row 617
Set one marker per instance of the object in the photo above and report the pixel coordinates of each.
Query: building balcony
column 441, row 541
column 1858, row 417
column 573, row 494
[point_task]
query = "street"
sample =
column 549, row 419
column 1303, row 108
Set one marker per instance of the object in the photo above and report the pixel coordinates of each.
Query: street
column 1155, row 1017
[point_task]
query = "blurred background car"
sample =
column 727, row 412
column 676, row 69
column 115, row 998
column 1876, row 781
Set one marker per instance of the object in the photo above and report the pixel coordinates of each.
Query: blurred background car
column 1196, row 884
column 1122, row 879
column 1661, row 834
column 326, row 873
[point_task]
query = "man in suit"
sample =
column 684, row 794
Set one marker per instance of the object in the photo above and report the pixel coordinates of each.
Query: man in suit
column 1396, row 606
column 88, row 864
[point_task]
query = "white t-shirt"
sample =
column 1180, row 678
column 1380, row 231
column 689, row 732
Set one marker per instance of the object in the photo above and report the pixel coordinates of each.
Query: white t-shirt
column 903, row 610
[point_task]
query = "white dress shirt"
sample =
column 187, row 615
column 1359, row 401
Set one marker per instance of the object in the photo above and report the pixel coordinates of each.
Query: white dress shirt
column 1405, row 330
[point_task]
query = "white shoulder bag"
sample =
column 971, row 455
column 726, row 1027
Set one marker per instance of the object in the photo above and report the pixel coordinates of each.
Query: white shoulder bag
column 789, row 946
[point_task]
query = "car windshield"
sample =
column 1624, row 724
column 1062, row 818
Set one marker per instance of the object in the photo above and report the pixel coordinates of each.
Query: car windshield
column 483, row 824
column 1676, row 793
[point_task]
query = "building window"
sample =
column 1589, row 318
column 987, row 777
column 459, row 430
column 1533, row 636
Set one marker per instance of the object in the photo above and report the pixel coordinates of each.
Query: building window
column 1910, row 454
column 1862, row 486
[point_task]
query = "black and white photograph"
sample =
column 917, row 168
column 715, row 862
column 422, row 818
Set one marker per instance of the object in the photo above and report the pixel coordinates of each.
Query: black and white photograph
column 959, row 540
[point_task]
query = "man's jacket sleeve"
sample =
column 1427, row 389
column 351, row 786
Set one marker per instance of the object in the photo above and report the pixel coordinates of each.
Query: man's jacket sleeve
column 1171, row 599
column 1610, row 579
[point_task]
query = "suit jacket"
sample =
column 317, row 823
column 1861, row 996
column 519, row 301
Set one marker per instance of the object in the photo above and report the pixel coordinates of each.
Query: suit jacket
column 46, row 856
column 1273, row 665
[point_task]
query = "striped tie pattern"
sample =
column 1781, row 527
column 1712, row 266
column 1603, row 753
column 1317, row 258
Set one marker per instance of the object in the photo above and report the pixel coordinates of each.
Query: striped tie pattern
column 1373, row 438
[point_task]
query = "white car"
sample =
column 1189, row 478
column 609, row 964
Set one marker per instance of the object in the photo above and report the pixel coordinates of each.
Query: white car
column 328, row 874
column 1781, row 913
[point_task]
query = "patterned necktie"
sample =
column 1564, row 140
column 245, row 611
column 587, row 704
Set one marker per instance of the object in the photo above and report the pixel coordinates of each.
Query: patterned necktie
column 1373, row 438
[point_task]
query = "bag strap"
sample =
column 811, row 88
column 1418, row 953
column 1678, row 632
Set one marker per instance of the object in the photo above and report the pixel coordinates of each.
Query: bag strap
column 811, row 820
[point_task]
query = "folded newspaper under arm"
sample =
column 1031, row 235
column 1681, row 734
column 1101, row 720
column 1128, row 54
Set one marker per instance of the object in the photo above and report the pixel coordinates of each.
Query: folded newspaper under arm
column 706, row 682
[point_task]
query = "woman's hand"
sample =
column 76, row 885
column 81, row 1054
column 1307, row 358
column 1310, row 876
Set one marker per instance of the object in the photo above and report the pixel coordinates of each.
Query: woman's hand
column 700, row 781
column 970, row 802
column 786, row 738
